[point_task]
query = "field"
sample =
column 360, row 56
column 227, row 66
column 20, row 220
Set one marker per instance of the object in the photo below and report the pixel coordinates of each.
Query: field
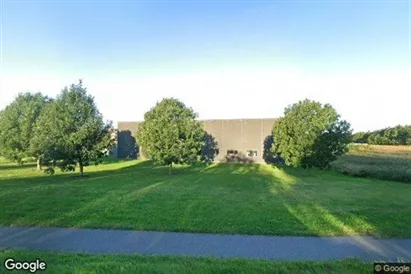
column 221, row 198
column 374, row 161
column 82, row 263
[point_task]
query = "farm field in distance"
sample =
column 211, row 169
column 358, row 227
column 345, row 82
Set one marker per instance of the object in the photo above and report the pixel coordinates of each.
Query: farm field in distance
column 256, row 199
column 376, row 161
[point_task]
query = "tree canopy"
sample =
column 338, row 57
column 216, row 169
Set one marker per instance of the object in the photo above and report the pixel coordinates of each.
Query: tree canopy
column 171, row 134
column 310, row 135
column 398, row 135
column 70, row 131
column 17, row 122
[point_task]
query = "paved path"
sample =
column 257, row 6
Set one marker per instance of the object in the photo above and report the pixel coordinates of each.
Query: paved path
column 168, row 243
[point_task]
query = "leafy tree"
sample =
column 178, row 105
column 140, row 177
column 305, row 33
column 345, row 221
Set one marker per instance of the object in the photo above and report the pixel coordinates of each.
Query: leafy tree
column 398, row 135
column 404, row 135
column 310, row 135
column 71, row 131
column 17, row 123
column 377, row 137
column 171, row 134
column 360, row 137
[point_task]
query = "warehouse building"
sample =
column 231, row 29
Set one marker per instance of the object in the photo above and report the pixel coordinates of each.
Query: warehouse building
column 236, row 139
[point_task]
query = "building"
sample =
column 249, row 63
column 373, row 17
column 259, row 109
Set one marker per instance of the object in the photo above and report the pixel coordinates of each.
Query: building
column 236, row 139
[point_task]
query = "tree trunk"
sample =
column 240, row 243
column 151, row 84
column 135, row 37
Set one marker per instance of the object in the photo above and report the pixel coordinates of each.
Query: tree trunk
column 169, row 168
column 39, row 166
column 81, row 169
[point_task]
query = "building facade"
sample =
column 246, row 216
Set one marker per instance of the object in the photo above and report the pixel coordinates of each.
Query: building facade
column 236, row 139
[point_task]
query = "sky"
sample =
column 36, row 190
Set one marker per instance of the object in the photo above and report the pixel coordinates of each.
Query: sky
column 225, row 59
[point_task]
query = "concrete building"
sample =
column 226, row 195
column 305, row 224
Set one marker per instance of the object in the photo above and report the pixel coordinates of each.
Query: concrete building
column 237, row 139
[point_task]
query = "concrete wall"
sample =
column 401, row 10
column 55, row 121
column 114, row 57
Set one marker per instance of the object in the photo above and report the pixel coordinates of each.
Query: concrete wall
column 241, row 135
column 126, row 143
column 238, row 135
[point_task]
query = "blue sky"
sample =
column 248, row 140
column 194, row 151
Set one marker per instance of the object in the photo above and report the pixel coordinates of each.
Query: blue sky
column 224, row 59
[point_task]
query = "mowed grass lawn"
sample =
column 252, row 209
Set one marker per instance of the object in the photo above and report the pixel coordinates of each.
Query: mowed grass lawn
column 221, row 198
column 81, row 263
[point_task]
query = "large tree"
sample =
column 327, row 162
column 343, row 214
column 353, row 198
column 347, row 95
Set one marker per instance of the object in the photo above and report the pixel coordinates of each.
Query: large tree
column 360, row 137
column 71, row 131
column 310, row 135
column 171, row 134
column 17, row 123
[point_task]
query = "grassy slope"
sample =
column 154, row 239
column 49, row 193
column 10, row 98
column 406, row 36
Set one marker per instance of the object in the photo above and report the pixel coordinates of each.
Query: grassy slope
column 81, row 263
column 384, row 162
column 227, row 198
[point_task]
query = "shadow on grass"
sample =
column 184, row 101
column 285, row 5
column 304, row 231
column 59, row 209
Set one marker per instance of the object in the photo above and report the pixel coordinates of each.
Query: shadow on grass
column 298, row 195
column 301, row 212
column 220, row 198
column 112, row 160
column 11, row 166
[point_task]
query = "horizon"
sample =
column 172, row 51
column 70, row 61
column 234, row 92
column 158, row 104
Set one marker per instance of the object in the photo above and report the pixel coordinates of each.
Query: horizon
column 226, row 60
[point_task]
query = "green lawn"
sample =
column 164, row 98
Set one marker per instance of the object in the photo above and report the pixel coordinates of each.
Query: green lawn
column 82, row 263
column 222, row 198
column 374, row 161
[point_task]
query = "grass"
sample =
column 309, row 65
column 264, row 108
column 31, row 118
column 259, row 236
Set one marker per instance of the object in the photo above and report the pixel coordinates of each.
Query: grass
column 82, row 263
column 221, row 198
column 374, row 161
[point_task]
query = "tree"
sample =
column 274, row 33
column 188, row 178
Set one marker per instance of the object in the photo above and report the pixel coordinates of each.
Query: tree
column 360, row 137
column 171, row 134
column 310, row 135
column 17, row 123
column 398, row 135
column 71, row 131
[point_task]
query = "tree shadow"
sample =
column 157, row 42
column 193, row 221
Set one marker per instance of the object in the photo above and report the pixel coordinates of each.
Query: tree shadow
column 111, row 160
column 309, row 208
column 218, row 198
column 126, row 145
column 43, row 178
column 64, row 194
column 209, row 150
column 10, row 166
column 268, row 156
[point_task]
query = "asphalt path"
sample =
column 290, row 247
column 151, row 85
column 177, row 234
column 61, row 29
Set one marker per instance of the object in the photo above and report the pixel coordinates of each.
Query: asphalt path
column 103, row 241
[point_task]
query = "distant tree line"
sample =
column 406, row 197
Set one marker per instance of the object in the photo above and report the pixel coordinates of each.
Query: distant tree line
column 398, row 135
